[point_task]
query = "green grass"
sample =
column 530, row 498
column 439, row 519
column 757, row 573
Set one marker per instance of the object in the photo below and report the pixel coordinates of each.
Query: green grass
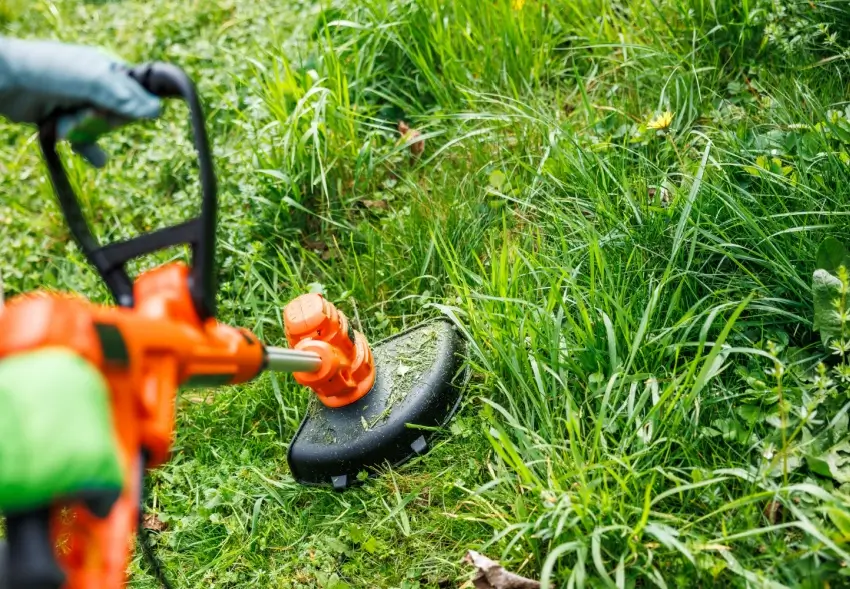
column 639, row 302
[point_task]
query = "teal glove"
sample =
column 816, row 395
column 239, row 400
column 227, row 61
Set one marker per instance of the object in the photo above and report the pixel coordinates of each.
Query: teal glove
column 93, row 91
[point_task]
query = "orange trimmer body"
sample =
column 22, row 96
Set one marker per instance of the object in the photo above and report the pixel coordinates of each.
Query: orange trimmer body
column 145, row 353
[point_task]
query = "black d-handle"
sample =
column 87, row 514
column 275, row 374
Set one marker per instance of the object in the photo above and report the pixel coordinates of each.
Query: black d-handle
column 166, row 81
column 30, row 561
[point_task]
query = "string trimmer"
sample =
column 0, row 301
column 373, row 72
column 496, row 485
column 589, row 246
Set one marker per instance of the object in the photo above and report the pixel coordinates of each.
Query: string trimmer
column 71, row 479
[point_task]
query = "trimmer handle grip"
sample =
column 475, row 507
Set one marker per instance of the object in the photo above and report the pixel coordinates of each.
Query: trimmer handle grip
column 163, row 79
column 30, row 562
column 166, row 81
column 169, row 81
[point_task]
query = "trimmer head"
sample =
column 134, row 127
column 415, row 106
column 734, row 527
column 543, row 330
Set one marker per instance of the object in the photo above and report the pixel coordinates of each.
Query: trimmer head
column 420, row 374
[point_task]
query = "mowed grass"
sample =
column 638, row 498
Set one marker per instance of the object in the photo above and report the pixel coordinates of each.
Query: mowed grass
column 620, row 203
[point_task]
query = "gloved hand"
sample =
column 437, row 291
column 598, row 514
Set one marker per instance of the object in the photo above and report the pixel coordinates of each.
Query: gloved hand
column 91, row 91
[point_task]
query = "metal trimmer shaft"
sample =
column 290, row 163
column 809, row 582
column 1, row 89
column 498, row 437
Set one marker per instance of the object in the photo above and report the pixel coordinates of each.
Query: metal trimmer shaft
column 288, row 360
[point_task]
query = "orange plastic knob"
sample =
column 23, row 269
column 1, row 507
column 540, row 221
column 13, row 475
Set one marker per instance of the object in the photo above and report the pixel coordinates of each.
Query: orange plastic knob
column 347, row 372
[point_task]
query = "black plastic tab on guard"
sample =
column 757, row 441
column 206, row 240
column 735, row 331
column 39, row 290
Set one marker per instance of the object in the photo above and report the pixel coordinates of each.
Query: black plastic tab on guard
column 419, row 445
column 419, row 379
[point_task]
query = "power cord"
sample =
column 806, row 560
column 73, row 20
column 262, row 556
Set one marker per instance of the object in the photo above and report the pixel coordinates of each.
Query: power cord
column 157, row 569
column 154, row 562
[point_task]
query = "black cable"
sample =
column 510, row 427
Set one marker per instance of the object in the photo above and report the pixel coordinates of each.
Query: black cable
column 149, row 550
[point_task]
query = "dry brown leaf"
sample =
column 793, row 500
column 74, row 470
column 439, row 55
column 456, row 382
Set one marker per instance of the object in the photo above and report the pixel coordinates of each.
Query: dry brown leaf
column 408, row 134
column 375, row 204
column 773, row 512
column 664, row 199
column 491, row 575
column 315, row 245
column 325, row 251
column 151, row 522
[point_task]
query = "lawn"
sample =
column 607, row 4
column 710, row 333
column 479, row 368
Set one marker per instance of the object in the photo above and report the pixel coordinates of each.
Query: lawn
column 635, row 211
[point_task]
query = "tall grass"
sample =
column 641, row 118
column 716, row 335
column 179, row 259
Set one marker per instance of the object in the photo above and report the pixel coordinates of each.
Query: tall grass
column 609, row 328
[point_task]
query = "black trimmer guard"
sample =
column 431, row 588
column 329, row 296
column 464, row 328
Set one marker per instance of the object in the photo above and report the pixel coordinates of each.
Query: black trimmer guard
column 419, row 378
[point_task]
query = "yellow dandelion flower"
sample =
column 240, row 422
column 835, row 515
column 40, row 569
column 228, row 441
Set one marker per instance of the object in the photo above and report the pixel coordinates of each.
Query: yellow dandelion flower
column 517, row 4
column 662, row 121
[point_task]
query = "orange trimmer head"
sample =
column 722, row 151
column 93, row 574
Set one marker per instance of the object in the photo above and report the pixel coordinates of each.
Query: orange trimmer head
column 419, row 376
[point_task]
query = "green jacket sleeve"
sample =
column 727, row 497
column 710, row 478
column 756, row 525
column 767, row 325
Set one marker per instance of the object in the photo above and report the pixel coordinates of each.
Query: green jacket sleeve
column 58, row 438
